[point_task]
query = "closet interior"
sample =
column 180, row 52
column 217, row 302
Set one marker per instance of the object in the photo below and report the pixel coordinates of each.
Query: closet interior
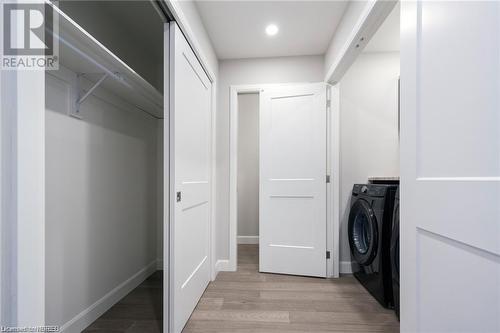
column 104, row 156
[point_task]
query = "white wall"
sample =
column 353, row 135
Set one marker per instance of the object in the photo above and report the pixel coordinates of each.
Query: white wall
column 369, row 127
column 101, row 198
column 249, row 71
column 248, row 165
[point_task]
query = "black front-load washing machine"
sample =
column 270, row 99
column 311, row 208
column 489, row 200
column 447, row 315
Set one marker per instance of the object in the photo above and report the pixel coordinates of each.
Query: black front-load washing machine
column 395, row 253
column 369, row 231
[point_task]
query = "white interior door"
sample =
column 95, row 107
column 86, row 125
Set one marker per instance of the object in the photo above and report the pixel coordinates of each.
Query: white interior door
column 190, row 91
column 292, row 219
column 450, row 166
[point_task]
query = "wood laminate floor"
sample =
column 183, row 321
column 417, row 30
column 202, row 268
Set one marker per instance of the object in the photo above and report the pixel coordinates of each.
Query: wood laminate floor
column 249, row 301
column 253, row 302
column 141, row 311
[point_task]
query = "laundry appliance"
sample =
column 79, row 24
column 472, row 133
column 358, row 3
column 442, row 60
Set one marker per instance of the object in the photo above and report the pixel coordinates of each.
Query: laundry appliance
column 369, row 232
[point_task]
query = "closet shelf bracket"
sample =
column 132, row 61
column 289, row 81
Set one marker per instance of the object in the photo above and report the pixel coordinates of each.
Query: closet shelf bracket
column 79, row 98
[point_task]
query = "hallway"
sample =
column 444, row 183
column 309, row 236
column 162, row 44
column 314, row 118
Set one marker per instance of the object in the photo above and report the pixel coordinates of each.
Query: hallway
column 248, row 301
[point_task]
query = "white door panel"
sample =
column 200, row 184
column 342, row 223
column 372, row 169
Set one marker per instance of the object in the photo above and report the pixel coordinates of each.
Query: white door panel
column 190, row 91
column 450, row 167
column 292, row 180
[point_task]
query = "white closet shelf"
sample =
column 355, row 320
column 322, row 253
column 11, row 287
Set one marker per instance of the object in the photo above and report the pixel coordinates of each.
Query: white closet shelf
column 80, row 52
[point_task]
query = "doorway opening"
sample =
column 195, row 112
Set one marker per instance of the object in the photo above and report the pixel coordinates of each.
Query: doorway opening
column 292, row 145
column 369, row 111
column 248, row 177
column 104, row 120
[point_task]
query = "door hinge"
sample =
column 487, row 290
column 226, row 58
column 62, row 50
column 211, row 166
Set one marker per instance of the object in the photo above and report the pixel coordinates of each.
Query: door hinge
column 179, row 197
column 327, row 254
column 328, row 103
column 327, row 178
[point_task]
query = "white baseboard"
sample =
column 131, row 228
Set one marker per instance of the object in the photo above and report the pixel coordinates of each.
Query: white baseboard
column 159, row 264
column 345, row 267
column 248, row 239
column 89, row 315
column 221, row 266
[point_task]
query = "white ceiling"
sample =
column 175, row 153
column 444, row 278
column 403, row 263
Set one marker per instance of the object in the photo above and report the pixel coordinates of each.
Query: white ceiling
column 237, row 28
column 386, row 39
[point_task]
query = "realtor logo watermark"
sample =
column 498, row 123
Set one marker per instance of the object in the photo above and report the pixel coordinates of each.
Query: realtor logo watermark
column 28, row 36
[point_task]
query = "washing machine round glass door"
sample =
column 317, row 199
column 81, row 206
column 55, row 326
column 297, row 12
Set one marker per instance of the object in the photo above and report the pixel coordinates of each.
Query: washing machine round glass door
column 363, row 232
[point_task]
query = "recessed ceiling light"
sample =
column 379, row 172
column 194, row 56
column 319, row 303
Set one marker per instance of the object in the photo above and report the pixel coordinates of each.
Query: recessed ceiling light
column 272, row 29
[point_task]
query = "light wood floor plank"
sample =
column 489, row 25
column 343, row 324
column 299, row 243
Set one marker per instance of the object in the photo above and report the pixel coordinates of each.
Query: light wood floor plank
column 201, row 326
column 249, row 301
column 239, row 316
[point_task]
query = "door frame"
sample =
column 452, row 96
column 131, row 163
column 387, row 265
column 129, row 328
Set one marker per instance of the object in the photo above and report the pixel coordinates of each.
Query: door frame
column 22, row 186
column 333, row 169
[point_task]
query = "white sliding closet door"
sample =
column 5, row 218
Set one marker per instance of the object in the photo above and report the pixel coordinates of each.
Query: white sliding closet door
column 450, row 166
column 190, row 109
column 292, row 217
